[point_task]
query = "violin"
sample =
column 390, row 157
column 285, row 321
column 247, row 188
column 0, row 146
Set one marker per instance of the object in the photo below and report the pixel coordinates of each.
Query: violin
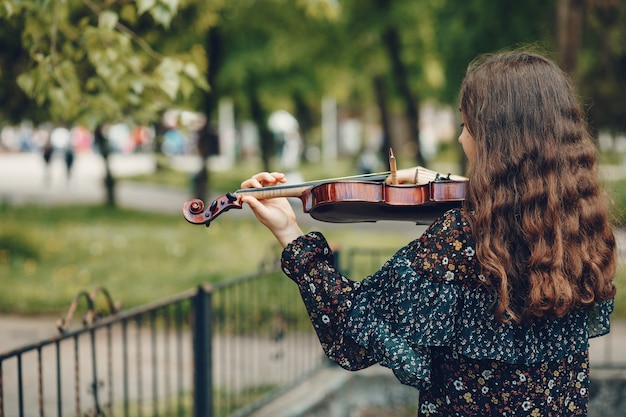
column 352, row 199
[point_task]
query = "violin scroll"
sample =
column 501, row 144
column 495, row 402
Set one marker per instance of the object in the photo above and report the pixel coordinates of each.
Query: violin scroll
column 196, row 206
column 195, row 213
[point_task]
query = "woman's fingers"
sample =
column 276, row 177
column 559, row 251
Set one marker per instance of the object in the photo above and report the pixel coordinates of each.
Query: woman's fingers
column 403, row 176
column 252, row 202
column 275, row 213
column 264, row 179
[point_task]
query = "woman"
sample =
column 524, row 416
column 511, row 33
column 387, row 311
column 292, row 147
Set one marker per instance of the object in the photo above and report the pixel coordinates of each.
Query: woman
column 489, row 312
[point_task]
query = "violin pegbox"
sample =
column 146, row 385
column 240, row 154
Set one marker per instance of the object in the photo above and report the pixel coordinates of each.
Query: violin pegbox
column 194, row 212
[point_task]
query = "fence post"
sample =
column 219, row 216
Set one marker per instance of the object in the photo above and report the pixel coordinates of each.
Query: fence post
column 202, row 353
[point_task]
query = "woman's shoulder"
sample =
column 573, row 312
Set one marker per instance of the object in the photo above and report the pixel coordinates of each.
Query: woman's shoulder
column 446, row 251
column 455, row 218
column 452, row 226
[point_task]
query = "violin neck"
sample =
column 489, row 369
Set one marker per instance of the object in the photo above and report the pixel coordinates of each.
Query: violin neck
column 295, row 190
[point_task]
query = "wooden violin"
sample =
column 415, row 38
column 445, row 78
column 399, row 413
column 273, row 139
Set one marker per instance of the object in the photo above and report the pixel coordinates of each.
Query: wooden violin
column 351, row 200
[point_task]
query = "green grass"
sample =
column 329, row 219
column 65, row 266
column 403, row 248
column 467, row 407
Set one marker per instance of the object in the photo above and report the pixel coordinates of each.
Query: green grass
column 49, row 254
column 620, row 297
column 617, row 191
column 138, row 257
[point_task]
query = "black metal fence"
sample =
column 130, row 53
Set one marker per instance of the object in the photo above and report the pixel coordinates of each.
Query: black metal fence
column 217, row 350
column 207, row 352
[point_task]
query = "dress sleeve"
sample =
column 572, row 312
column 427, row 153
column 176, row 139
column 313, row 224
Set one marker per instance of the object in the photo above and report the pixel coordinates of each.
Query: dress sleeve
column 429, row 295
column 362, row 323
column 328, row 297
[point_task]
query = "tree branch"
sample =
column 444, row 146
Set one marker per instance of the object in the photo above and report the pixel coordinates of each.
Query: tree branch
column 126, row 30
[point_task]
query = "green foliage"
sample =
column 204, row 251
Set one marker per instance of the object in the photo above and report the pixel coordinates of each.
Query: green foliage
column 89, row 62
column 620, row 297
column 16, row 245
column 88, row 66
column 477, row 26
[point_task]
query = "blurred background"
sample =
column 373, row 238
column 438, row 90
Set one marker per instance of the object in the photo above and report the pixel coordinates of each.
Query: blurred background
column 282, row 83
column 112, row 114
column 198, row 95
column 194, row 96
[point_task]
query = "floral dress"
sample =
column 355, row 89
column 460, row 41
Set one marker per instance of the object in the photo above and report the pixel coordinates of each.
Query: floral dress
column 427, row 314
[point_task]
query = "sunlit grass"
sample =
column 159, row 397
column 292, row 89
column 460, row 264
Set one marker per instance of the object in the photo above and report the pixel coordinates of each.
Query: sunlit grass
column 620, row 297
column 138, row 257
column 49, row 254
column 617, row 191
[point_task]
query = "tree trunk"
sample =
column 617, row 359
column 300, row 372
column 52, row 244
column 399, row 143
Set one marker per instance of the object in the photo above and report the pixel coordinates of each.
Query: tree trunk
column 381, row 101
column 391, row 39
column 260, row 119
column 569, row 29
column 109, row 182
column 304, row 117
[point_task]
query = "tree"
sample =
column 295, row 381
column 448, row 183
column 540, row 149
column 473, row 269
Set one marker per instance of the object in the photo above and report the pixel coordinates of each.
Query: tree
column 393, row 43
column 467, row 29
column 87, row 65
column 16, row 105
column 271, row 60
column 601, row 69
column 587, row 38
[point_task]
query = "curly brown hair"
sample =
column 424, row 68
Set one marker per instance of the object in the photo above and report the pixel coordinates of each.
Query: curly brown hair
column 535, row 201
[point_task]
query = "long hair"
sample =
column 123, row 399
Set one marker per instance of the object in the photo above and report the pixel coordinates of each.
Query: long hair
column 537, row 208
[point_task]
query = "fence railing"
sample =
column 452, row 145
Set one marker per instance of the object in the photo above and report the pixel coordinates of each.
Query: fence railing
column 208, row 352
column 217, row 350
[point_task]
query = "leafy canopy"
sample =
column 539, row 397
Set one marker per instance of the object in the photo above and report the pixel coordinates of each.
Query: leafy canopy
column 90, row 63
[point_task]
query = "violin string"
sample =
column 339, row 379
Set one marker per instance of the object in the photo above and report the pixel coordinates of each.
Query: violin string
column 424, row 175
column 375, row 175
column 421, row 175
column 349, row 177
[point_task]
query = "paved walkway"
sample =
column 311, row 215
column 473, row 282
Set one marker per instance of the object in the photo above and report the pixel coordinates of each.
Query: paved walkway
column 25, row 179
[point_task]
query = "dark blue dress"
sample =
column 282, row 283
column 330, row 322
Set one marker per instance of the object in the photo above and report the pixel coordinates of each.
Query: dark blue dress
column 427, row 314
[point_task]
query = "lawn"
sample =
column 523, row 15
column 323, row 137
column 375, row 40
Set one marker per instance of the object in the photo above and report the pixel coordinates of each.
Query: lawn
column 49, row 254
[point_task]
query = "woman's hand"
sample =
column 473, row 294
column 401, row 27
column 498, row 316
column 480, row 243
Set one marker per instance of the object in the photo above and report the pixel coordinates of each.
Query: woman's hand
column 419, row 175
column 275, row 213
column 403, row 176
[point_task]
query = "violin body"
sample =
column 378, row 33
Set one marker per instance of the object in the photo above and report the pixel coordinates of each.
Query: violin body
column 349, row 201
column 354, row 202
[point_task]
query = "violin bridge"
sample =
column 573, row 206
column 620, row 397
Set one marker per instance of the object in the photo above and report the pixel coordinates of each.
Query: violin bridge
column 393, row 169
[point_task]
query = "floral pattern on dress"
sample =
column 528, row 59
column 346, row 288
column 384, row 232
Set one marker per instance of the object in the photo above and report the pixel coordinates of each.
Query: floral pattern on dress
column 427, row 314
